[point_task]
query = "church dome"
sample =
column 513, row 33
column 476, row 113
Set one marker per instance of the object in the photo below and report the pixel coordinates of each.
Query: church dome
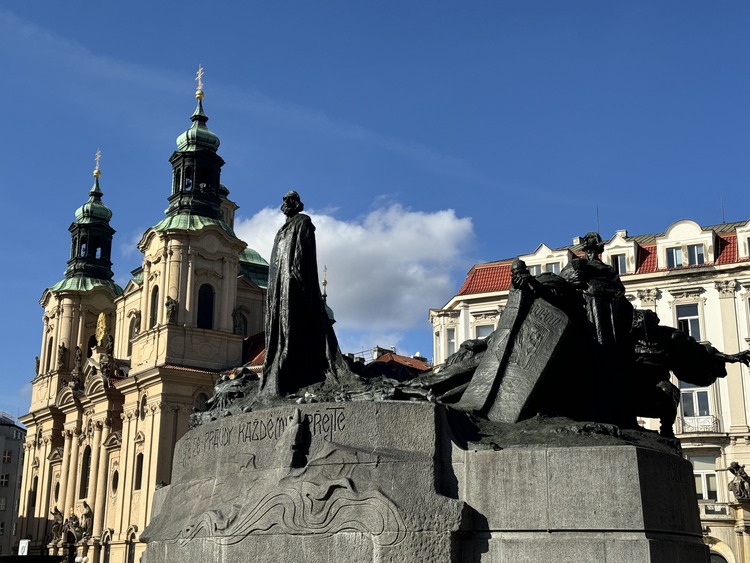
column 199, row 136
column 94, row 211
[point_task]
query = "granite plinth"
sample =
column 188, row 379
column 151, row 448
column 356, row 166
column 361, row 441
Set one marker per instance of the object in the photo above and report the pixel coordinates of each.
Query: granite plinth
column 394, row 481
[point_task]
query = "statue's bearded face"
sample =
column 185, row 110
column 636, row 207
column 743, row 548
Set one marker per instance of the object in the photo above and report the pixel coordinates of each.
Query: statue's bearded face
column 291, row 205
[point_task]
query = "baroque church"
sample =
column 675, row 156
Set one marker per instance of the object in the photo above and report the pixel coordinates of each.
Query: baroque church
column 120, row 370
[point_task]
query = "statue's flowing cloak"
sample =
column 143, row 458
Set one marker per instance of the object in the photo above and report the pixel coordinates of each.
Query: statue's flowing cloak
column 301, row 347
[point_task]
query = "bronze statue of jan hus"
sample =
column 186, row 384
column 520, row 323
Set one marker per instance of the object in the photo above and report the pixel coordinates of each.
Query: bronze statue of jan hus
column 604, row 361
column 301, row 347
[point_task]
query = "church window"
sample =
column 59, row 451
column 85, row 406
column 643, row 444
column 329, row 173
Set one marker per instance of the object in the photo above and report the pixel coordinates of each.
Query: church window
column 206, row 306
column 2, row 528
column 57, row 490
column 188, row 178
column 177, row 181
column 7, row 455
column 138, row 472
column 115, row 480
column 49, row 353
column 132, row 333
column 3, row 502
column 4, row 479
column 83, row 247
column 90, row 346
column 131, row 549
column 83, row 491
column 98, row 252
column 105, row 550
column 142, row 408
column 154, row 307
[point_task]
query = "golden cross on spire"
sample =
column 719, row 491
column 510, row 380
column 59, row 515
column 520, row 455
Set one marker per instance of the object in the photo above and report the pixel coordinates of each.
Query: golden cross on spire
column 199, row 80
column 325, row 276
column 97, row 158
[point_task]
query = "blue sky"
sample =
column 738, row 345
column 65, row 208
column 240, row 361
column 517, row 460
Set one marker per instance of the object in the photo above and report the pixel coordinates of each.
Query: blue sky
column 422, row 136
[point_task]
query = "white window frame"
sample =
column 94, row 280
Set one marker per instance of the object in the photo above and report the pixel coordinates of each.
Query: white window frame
column 675, row 256
column 704, row 477
column 552, row 267
column 696, row 254
column 619, row 263
column 491, row 327
column 693, row 323
column 450, row 348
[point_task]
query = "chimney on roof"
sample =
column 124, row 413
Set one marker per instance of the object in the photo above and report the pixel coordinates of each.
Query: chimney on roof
column 622, row 233
column 576, row 240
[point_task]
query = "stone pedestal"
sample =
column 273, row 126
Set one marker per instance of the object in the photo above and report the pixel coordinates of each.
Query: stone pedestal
column 392, row 481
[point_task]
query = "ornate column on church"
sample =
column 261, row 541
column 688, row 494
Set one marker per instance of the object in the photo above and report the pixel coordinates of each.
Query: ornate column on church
column 70, row 489
column 731, row 345
column 100, row 489
column 67, row 435
column 95, row 455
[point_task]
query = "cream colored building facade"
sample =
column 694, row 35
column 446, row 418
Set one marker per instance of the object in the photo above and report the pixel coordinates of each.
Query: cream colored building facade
column 120, row 370
column 696, row 279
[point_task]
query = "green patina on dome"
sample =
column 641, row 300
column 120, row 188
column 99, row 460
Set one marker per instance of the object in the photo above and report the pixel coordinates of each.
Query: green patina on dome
column 94, row 211
column 198, row 137
column 251, row 256
column 191, row 222
column 85, row 284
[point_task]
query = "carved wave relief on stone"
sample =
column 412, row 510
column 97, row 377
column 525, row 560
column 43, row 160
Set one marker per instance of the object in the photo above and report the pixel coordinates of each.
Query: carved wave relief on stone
column 308, row 509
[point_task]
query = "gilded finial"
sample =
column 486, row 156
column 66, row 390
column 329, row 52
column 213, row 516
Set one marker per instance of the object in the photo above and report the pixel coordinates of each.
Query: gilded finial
column 199, row 79
column 325, row 277
column 97, row 157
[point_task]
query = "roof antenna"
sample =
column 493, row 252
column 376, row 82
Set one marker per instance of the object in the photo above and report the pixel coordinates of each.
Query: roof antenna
column 598, row 229
column 723, row 220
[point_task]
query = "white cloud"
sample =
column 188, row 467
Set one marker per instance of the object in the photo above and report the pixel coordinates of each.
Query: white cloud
column 385, row 270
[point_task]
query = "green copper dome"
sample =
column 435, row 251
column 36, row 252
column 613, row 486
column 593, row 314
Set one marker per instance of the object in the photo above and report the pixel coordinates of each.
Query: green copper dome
column 94, row 211
column 252, row 257
column 199, row 136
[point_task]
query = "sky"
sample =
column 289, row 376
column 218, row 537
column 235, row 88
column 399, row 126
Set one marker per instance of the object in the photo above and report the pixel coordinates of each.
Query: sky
column 422, row 136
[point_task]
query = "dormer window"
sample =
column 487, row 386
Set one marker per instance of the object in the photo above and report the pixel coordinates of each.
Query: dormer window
column 552, row 267
column 535, row 270
column 619, row 263
column 695, row 254
column 674, row 257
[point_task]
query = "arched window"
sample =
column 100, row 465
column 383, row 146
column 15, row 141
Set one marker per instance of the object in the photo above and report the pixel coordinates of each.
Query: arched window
column 98, row 252
column 189, row 179
column 90, row 346
column 138, row 472
column 105, row 549
column 83, row 491
column 206, row 306
column 142, row 408
column 177, row 181
column 131, row 549
column 49, row 354
column 154, row 307
column 132, row 333
column 82, row 253
column 32, row 497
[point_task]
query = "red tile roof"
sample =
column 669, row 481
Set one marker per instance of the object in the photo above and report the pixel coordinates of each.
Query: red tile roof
column 484, row 278
column 412, row 363
column 727, row 248
column 646, row 259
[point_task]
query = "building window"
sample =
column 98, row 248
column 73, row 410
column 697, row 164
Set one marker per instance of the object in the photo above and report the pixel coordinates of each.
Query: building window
column 2, row 528
column 206, row 307
column 704, row 471
column 695, row 254
column 694, row 400
column 83, row 491
column 451, row 334
column 688, row 320
column 131, row 549
column 138, row 472
column 3, row 502
column 115, row 481
column 132, row 333
column 7, row 456
column 674, row 257
column 552, row 267
column 154, row 307
column 4, row 479
column 535, row 270
column 483, row 331
column 49, row 354
column 619, row 264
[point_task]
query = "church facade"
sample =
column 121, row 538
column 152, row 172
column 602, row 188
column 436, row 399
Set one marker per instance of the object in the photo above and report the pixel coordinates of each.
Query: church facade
column 695, row 278
column 121, row 369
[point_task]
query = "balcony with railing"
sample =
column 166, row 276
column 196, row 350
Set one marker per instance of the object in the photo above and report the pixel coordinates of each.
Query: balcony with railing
column 697, row 425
